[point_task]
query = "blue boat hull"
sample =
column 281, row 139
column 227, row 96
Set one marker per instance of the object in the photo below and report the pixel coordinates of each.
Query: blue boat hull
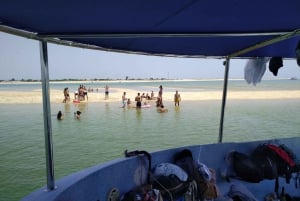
column 126, row 173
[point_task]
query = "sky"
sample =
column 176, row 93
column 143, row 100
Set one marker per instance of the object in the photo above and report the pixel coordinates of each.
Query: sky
column 20, row 59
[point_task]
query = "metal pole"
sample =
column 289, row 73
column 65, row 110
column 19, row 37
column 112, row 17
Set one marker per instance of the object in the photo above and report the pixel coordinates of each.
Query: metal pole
column 47, row 115
column 224, row 99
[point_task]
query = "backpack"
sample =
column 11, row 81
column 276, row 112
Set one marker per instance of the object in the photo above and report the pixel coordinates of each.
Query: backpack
column 143, row 192
column 266, row 161
column 205, row 189
column 244, row 167
column 274, row 161
column 170, row 187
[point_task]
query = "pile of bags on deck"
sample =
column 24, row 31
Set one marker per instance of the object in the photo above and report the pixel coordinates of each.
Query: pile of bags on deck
column 188, row 180
column 185, row 180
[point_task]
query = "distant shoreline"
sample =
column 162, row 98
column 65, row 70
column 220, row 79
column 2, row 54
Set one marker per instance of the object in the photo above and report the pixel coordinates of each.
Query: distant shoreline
column 19, row 95
column 124, row 80
column 85, row 80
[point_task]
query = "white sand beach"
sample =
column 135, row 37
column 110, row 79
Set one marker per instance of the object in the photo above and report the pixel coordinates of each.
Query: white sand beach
column 56, row 96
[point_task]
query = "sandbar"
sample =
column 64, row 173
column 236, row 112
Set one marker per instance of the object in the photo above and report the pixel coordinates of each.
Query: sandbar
column 56, row 96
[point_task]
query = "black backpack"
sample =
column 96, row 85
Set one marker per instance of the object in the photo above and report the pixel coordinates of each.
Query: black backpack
column 245, row 168
column 275, row 161
column 266, row 160
column 184, row 159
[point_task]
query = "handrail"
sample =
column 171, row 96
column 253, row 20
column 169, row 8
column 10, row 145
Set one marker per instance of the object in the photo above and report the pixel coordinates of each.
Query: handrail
column 56, row 38
column 236, row 54
column 224, row 98
column 265, row 43
column 47, row 115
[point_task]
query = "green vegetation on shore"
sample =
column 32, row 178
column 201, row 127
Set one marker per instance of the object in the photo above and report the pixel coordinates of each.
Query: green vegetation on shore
column 68, row 80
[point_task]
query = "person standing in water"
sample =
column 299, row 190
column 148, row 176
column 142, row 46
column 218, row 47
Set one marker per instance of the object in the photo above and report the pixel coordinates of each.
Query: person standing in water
column 159, row 101
column 160, row 92
column 124, row 99
column 67, row 95
column 138, row 100
column 106, row 90
column 177, row 98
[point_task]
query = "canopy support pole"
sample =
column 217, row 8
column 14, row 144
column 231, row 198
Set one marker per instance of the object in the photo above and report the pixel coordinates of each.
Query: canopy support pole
column 224, row 99
column 47, row 115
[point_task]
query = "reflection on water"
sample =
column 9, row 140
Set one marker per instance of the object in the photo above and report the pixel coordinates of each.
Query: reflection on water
column 83, row 106
column 67, row 107
column 177, row 113
column 139, row 113
column 107, row 107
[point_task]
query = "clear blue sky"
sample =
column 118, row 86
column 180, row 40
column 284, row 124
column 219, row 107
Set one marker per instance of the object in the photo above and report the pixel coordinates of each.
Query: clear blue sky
column 20, row 59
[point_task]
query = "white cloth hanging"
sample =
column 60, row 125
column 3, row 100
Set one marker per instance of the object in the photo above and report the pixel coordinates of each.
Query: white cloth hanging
column 255, row 69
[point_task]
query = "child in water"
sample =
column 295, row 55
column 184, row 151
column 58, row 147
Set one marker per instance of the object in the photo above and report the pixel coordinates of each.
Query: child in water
column 60, row 115
column 77, row 114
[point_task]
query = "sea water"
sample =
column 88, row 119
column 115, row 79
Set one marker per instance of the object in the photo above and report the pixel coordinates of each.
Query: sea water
column 105, row 130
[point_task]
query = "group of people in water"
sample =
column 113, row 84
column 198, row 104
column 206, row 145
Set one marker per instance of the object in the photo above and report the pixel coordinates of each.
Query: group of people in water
column 60, row 115
column 81, row 94
column 159, row 100
column 141, row 100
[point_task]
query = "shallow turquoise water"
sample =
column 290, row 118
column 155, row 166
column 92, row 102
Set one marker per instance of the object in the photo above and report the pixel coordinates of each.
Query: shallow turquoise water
column 105, row 130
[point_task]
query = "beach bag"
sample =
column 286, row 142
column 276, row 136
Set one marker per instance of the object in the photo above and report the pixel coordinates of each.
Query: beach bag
column 144, row 192
column 245, row 168
column 184, row 159
column 209, row 189
column 198, row 172
column 192, row 192
column 167, row 169
column 266, row 162
column 170, row 187
column 204, row 171
column 171, row 180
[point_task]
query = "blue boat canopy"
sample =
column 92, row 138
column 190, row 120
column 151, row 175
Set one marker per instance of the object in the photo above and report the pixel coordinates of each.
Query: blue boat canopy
column 192, row 28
